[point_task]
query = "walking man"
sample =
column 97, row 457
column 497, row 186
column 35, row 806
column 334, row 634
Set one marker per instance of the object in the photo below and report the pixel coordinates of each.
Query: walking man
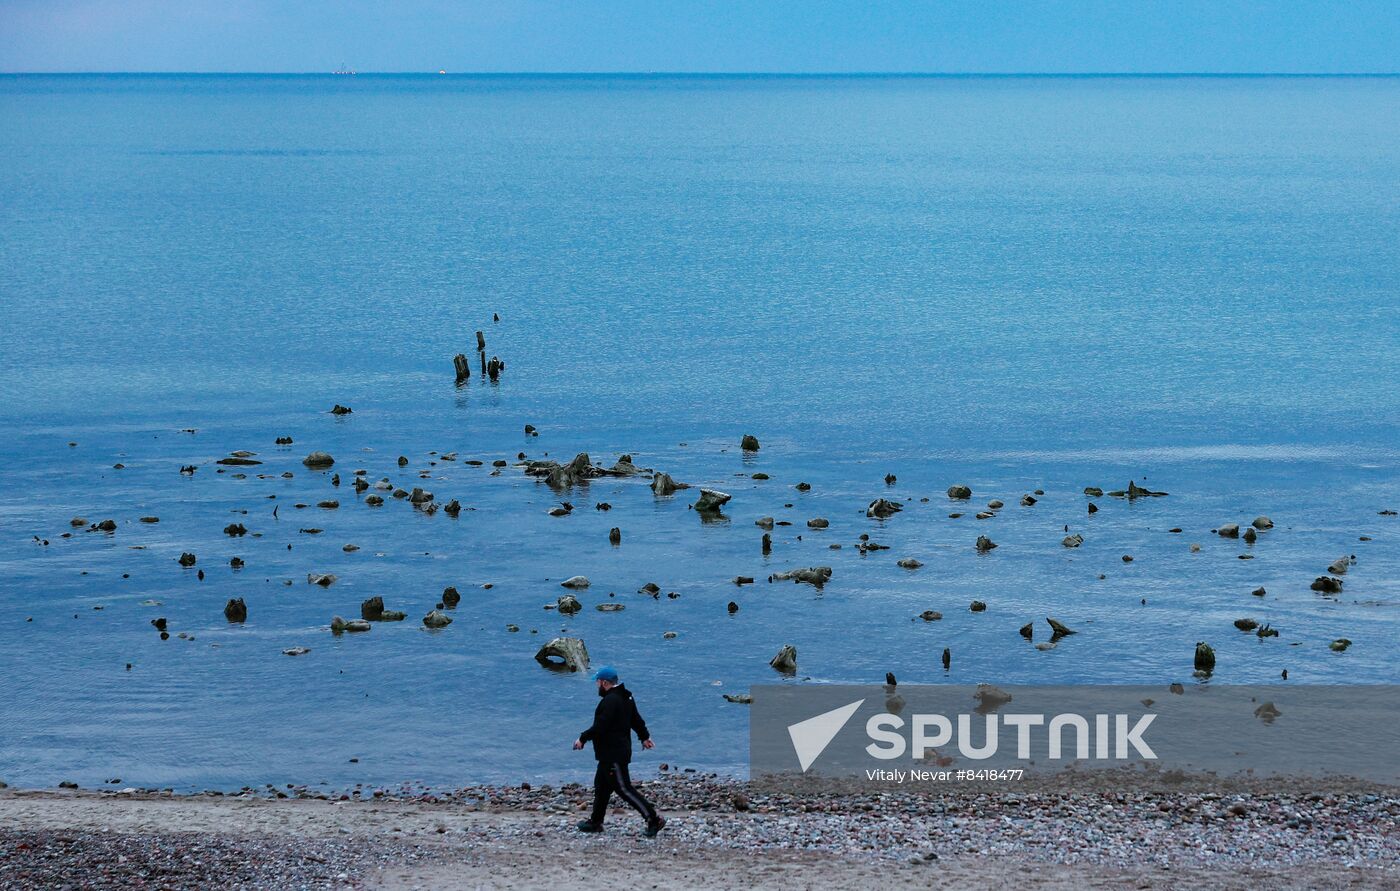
column 611, row 734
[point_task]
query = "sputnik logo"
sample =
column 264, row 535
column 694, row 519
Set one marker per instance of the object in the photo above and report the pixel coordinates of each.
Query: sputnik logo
column 811, row 737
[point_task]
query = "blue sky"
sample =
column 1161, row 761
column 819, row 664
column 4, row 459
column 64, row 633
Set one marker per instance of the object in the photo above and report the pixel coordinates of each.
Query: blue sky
column 1062, row 36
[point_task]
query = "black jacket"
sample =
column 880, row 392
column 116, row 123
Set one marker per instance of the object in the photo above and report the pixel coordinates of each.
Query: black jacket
column 613, row 722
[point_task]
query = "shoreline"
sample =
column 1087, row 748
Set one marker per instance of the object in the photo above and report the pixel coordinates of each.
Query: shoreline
column 722, row 833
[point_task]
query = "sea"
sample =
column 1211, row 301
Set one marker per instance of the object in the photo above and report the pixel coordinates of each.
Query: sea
column 1019, row 284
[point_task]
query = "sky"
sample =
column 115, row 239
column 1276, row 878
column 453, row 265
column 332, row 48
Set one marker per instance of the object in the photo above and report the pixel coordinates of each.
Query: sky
column 797, row 36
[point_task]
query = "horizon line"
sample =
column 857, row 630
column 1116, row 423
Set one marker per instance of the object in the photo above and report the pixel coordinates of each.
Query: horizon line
column 716, row 74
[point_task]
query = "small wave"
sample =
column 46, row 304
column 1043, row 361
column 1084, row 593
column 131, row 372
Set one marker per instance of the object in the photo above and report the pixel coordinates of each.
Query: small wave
column 1216, row 452
column 258, row 153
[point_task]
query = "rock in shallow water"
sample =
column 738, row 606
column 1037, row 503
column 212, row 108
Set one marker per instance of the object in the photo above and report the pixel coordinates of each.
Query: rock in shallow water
column 569, row 651
column 437, row 619
column 882, row 508
column 711, row 500
column 812, row 575
column 990, row 698
column 786, row 660
column 318, row 459
column 1136, row 491
column 568, row 604
column 663, row 484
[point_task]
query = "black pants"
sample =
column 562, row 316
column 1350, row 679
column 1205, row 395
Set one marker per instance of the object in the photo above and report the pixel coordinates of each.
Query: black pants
column 612, row 777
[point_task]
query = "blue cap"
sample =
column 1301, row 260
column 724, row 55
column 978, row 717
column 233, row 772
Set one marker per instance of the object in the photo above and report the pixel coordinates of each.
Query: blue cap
column 606, row 673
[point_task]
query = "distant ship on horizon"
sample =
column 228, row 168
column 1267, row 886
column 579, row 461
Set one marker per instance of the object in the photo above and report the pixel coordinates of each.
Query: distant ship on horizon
column 343, row 70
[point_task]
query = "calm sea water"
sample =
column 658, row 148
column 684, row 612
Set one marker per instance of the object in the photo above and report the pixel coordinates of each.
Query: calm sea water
column 1014, row 283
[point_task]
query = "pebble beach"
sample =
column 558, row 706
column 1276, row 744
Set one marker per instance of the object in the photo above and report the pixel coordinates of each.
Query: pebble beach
column 735, row 834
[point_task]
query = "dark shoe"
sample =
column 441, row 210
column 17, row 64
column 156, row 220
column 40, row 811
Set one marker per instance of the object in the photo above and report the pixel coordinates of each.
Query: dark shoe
column 590, row 826
column 655, row 826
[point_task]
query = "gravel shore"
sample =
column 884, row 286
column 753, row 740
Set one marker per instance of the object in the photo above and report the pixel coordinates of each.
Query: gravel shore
column 722, row 833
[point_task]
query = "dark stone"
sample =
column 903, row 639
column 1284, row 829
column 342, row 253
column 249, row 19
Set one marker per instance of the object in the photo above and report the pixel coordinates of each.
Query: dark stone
column 372, row 610
column 236, row 610
column 1205, row 658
